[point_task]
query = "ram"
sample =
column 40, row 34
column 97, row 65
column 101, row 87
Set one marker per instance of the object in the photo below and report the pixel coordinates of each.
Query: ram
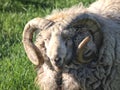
column 76, row 48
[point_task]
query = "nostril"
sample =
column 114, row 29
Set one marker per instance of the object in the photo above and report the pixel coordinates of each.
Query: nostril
column 57, row 59
column 58, row 62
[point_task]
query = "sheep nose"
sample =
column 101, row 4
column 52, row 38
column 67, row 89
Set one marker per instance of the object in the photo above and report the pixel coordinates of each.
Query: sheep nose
column 58, row 62
column 58, row 59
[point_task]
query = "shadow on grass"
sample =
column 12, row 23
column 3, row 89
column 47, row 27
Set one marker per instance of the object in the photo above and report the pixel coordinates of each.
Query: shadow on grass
column 24, row 5
column 38, row 4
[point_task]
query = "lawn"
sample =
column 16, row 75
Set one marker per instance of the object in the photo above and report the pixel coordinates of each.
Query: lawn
column 16, row 71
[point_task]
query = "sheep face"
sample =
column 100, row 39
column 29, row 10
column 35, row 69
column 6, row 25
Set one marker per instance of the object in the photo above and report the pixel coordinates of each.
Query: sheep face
column 56, row 49
column 58, row 45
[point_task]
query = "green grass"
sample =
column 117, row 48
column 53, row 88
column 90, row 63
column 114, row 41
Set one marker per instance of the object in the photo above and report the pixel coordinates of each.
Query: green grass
column 16, row 71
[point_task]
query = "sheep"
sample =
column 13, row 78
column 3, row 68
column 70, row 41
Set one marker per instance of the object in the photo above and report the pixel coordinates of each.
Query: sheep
column 76, row 48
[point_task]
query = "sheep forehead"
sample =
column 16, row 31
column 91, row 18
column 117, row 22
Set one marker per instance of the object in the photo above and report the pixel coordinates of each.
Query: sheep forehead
column 64, row 34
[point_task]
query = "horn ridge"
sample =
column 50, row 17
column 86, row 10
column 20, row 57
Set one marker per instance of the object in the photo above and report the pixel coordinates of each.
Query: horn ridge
column 31, row 49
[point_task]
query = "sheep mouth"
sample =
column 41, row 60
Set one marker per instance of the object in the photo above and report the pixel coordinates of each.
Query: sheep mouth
column 59, row 64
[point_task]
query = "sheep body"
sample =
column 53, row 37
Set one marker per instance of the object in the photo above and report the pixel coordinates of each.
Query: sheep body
column 100, row 74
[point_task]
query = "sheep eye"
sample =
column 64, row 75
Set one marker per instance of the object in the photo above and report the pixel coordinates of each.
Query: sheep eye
column 46, row 39
column 66, row 43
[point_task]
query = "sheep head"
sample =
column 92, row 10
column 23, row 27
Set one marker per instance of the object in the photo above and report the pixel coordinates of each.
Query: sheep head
column 79, row 40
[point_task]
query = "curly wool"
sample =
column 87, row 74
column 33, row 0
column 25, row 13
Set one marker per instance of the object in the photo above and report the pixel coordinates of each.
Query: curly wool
column 100, row 74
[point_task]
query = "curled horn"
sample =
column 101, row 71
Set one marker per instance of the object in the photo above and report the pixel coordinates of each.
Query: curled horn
column 94, row 28
column 81, row 49
column 32, row 51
